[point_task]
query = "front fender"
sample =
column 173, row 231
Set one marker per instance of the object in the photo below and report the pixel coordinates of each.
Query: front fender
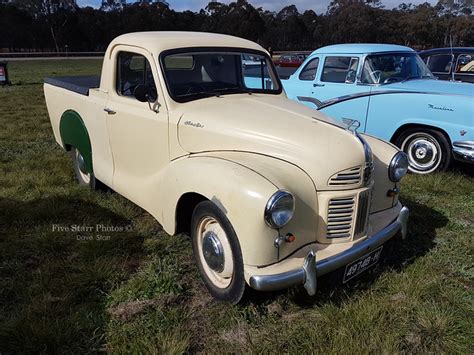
column 238, row 191
column 453, row 114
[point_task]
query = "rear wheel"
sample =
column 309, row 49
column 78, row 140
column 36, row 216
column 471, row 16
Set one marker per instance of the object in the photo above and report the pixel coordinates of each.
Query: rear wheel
column 217, row 253
column 82, row 175
column 428, row 150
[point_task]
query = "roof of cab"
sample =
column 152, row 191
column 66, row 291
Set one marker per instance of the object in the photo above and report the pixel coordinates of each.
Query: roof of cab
column 159, row 41
column 361, row 48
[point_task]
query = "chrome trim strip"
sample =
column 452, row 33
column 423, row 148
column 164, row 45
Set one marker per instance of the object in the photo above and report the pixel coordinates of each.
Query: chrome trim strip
column 310, row 99
column 308, row 273
column 336, row 100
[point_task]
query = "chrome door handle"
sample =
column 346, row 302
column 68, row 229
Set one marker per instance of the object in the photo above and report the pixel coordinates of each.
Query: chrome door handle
column 316, row 85
column 109, row 111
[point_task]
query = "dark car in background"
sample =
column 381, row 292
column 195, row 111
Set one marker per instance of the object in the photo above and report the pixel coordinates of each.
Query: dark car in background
column 451, row 64
column 293, row 60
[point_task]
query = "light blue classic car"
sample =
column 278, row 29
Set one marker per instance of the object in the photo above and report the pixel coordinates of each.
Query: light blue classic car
column 388, row 91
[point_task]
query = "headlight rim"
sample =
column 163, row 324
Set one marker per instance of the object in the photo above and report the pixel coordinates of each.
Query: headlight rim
column 271, row 204
column 395, row 160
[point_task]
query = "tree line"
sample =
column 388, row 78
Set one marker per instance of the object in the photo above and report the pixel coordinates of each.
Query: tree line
column 40, row 25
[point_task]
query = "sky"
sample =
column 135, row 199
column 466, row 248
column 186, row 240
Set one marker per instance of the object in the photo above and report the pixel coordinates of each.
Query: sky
column 319, row 6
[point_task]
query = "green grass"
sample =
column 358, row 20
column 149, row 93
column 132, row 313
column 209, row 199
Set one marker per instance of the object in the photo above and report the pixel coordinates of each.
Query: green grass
column 138, row 290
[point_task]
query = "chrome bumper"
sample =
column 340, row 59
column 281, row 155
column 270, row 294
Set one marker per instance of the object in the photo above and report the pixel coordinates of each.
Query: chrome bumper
column 464, row 151
column 307, row 275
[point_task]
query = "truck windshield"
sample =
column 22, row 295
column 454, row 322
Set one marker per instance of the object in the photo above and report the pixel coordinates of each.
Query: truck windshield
column 195, row 74
column 394, row 67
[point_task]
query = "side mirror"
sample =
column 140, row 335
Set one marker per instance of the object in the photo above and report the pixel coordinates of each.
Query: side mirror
column 144, row 93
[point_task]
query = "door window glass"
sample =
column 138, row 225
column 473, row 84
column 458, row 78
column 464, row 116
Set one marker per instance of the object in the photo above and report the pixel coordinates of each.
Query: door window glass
column 309, row 71
column 440, row 63
column 340, row 69
column 465, row 64
column 133, row 70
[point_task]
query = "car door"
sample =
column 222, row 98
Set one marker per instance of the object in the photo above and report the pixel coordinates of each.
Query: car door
column 337, row 89
column 138, row 131
column 302, row 88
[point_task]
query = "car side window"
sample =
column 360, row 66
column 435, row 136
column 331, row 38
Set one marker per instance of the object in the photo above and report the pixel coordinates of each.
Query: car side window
column 309, row 71
column 465, row 64
column 440, row 63
column 340, row 69
column 133, row 70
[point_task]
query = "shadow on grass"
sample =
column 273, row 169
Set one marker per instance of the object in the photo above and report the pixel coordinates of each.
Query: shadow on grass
column 397, row 254
column 463, row 168
column 54, row 282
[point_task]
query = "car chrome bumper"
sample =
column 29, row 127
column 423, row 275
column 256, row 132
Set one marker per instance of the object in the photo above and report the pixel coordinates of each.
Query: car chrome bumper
column 464, row 151
column 311, row 269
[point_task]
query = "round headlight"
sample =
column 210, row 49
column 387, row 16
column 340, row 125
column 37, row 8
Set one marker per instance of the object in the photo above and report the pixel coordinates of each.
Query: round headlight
column 279, row 209
column 398, row 167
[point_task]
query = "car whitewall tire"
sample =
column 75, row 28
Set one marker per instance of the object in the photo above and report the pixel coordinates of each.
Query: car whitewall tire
column 217, row 252
column 427, row 150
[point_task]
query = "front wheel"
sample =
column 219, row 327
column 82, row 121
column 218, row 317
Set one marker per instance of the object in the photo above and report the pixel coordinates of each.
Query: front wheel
column 427, row 150
column 217, row 253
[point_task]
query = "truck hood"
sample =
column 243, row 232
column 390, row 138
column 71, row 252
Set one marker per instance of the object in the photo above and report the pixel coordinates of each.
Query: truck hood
column 431, row 86
column 273, row 126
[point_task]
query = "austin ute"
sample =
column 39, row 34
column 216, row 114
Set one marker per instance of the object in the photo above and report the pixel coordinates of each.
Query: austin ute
column 272, row 193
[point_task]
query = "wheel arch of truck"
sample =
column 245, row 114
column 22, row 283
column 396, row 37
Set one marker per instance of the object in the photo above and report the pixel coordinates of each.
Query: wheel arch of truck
column 74, row 134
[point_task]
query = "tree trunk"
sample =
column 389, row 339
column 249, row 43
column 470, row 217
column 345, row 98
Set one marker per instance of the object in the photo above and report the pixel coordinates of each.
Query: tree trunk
column 54, row 38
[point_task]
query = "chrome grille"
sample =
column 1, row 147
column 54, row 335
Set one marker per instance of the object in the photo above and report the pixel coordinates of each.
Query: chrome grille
column 340, row 215
column 346, row 177
column 362, row 214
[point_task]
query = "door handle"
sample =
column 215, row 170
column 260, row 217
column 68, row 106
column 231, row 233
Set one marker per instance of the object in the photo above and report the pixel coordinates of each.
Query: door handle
column 316, row 85
column 109, row 111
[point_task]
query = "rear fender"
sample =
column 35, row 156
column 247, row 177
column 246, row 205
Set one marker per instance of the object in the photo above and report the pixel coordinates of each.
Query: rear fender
column 74, row 134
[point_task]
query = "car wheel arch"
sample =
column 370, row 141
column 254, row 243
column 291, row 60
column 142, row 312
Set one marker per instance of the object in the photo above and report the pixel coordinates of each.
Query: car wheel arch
column 407, row 126
column 184, row 211
column 74, row 134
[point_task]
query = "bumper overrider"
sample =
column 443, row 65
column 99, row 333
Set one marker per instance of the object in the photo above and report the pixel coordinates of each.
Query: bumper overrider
column 312, row 269
column 464, row 151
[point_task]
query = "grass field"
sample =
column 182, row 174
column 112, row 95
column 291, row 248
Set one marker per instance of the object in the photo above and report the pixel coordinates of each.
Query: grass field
column 138, row 290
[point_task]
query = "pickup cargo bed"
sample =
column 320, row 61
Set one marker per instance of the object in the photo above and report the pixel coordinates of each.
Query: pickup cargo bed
column 78, row 84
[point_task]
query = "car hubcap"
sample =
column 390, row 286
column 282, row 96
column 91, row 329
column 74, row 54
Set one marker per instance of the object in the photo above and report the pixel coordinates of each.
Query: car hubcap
column 215, row 252
column 81, row 167
column 424, row 153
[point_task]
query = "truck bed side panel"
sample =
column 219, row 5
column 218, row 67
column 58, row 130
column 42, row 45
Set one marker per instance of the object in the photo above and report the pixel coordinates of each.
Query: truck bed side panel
column 91, row 110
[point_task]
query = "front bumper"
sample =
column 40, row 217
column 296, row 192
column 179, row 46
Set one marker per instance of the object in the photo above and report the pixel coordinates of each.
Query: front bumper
column 312, row 269
column 464, row 151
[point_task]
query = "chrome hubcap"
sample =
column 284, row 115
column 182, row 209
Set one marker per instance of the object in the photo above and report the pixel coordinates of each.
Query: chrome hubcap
column 424, row 152
column 81, row 166
column 81, row 163
column 213, row 251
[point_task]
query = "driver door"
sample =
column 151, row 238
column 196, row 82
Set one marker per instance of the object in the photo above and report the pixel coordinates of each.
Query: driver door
column 138, row 131
column 337, row 84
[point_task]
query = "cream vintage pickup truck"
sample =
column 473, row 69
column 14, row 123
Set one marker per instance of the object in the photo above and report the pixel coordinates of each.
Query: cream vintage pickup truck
column 196, row 129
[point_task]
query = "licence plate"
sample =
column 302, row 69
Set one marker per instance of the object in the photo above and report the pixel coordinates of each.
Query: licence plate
column 360, row 265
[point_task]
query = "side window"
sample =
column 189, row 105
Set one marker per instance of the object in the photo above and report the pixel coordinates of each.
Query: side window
column 340, row 70
column 440, row 63
column 465, row 64
column 133, row 70
column 309, row 71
